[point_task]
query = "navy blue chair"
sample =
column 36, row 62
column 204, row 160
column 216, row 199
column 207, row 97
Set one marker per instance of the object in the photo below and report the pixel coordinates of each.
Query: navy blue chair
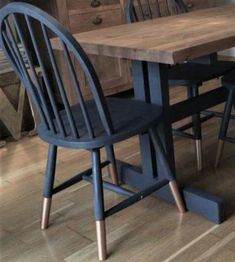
column 191, row 74
column 228, row 82
column 90, row 125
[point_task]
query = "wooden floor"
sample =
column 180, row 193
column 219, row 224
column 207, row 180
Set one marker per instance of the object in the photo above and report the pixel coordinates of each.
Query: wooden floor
column 151, row 230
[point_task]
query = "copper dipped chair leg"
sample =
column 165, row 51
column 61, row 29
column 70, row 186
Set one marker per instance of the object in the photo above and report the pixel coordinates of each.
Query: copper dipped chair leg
column 219, row 152
column 177, row 196
column 101, row 240
column 198, row 144
column 172, row 183
column 46, row 207
column 113, row 173
column 112, row 168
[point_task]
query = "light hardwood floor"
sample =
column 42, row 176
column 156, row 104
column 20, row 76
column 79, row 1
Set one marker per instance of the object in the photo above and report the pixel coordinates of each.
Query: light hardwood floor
column 151, row 230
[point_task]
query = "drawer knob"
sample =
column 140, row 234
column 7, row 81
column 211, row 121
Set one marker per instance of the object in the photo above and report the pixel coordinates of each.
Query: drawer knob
column 97, row 21
column 190, row 5
column 95, row 3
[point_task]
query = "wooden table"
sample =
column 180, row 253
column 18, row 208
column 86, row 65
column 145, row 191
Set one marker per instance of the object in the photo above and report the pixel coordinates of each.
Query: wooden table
column 151, row 46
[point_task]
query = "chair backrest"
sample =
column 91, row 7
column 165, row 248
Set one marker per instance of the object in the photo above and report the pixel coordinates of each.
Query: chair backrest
column 24, row 19
column 140, row 10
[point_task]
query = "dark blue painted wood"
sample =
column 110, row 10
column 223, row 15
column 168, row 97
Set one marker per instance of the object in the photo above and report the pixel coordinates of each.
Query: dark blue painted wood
column 181, row 130
column 191, row 74
column 50, row 172
column 50, row 25
column 78, row 126
column 204, row 204
column 197, row 201
column 77, row 178
column 89, row 125
column 216, row 114
column 141, row 10
column 136, row 197
column 98, row 194
column 159, row 95
column 141, row 92
column 197, row 104
column 111, row 187
column 158, row 90
column 229, row 83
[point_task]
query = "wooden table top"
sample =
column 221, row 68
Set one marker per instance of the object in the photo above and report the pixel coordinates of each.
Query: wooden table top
column 168, row 40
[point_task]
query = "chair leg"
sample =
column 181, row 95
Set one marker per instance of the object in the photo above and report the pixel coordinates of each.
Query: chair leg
column 177, row 196
column 198, row 144
column 48, row 186
column 196, row 119
column 113, row 164
column 99, row 205
column 101, row 239
column 220, row 149
column 163, row 158
column 224, row 126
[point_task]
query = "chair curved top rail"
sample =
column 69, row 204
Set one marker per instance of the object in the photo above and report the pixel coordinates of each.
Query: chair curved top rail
column 140, row 10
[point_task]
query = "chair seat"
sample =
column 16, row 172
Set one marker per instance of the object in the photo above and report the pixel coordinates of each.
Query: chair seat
column 195, row 74
column 130, row 117
column 229, row 80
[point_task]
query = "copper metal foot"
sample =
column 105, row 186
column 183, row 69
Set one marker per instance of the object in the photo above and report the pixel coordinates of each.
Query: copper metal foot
column 198, row 144
column 45, row 213
column 101, row 239
column 177, row 196
column 219, row 152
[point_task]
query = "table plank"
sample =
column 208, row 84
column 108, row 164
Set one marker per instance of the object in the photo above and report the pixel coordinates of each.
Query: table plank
column 167, row 40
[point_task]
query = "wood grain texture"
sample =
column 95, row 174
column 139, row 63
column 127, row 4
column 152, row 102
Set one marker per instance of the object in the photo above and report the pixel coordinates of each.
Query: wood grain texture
column 87, row 21
column 167, row 40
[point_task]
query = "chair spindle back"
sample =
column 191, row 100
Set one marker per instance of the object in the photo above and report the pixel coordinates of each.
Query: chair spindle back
column 41, row 54
column 141, row 10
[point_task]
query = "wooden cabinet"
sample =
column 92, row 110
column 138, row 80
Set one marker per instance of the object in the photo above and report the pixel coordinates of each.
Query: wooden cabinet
column 78, row 4
column 85, row 15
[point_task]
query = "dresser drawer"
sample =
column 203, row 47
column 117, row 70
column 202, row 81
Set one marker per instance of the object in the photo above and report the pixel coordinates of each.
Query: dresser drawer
column 93, row 4
column 83, row 22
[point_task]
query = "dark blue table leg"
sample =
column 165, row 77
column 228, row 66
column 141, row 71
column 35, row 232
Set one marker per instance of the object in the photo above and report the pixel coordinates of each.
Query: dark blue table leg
column 151, row 85
column 159, row 95
column 141, row 91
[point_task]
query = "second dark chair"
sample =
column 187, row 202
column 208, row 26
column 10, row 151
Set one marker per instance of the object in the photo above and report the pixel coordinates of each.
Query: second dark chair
column 190, row 74
column 229, row 83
